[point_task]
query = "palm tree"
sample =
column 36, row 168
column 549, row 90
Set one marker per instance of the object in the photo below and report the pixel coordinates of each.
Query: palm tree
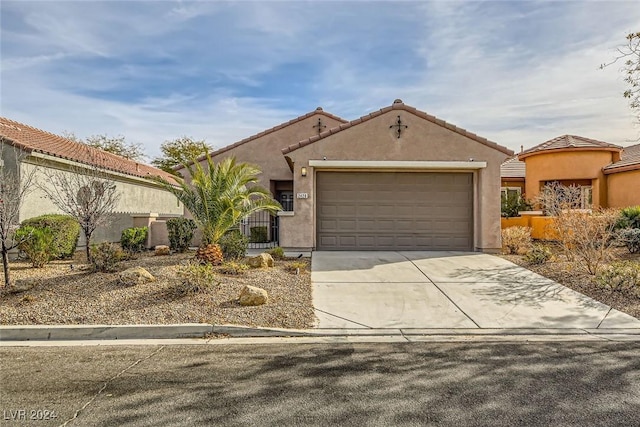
column 219, row 196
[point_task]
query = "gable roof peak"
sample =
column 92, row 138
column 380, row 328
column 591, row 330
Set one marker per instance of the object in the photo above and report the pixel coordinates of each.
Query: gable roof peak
column 398, row 104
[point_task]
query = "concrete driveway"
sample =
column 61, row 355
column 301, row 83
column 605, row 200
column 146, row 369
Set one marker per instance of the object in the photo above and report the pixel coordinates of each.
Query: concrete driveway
column 447, row 290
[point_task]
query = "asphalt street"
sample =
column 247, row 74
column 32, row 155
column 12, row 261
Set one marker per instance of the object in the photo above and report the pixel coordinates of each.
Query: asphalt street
column 378, row 384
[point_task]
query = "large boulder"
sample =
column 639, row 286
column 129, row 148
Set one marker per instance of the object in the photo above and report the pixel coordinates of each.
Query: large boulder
column 251, row 295
column 263, row 260
column 162, row 250
column 135, row 276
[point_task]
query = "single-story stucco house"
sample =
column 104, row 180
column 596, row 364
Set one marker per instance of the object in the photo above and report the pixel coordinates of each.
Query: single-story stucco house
column 607, row 174
column 141, row 199
column 395, row 179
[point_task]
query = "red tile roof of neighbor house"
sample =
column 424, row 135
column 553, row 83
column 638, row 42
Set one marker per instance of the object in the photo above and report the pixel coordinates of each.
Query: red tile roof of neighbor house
column 629, row 160
column 318, row 110
column 513, row 168
column 31, row 139
column 398, row 105
column 566, row 142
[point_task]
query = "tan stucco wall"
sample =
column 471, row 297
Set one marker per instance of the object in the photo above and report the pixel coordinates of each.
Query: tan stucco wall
column 374, row 140
column 136, row 196
column 568, row 165
column 624, row 189
column 266, row 151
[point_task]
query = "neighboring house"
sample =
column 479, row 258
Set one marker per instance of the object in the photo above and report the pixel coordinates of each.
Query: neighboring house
column 395, row 179
column 608, row 175
column 512, row 174
column 25, row 147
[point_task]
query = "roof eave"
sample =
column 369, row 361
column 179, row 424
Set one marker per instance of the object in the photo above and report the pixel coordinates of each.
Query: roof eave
column 526, row 154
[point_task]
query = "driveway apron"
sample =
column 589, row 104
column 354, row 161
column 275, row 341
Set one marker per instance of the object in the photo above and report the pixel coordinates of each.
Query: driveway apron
column 446, row 290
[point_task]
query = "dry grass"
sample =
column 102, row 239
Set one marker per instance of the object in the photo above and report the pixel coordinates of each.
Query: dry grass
column 62, row 295
column 572, row 274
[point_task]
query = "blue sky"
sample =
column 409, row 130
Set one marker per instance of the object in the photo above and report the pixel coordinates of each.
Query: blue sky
column 518, row 73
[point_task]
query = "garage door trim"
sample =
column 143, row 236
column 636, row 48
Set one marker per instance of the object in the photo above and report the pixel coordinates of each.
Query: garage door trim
column 404, row 164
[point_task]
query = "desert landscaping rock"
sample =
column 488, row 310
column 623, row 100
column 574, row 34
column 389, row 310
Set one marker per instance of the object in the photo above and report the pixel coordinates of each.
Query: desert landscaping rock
column 162, row 250
column 20, row 286
column 135, row 276
column 252, row 295
column 63, row 296
column 263, row 260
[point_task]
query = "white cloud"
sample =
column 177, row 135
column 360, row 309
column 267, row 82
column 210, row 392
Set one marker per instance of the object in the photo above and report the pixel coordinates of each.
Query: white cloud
column 517, row 73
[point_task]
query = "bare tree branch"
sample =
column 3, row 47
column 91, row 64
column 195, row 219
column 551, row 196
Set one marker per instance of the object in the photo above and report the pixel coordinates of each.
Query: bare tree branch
column 85, row 193
column 14, row 188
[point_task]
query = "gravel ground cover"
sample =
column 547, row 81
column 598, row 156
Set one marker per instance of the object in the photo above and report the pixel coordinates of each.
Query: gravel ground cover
column 572, row 275
column 63, row 294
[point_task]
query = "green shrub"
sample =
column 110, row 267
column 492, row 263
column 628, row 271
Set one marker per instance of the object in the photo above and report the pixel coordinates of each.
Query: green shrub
column 234, row 245
column 180, row 233
column 630, row 237
column 65, row 229
column 516, row 240
column 276, row 253
column 621, row 275
column 259, row 234
column 38, row 244
column 133, row 239
column 106, row 256
column 538, row 254
column 629, row 217
column 195, row 278
column 233, row 268
column 512, row 204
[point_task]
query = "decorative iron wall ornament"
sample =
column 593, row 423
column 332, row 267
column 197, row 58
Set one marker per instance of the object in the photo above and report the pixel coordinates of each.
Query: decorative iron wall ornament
column 399, row 126
column 320, row 126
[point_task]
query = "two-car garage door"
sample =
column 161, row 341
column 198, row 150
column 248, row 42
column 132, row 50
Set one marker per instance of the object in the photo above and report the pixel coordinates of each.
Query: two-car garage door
column 394, row 211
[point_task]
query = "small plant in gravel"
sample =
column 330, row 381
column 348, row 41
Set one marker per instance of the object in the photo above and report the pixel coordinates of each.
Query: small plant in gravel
column 233, row 268
column 133, row 239
column 234, row 245
column 621, row 276
column 588, row 236
column 195, row 278
column 276, row 253
column 630, row 237
column 105, row 257
column 538, row 254
column 296, row 267
column 38, row 244
column 516, row 240
column 180, row 233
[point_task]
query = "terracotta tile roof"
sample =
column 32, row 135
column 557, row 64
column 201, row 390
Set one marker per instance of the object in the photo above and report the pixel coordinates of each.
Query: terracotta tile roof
column 512, row 168
column 565, row 142
column 398, row 105
column 629, row 160
column 318, row 110
column 31, row 139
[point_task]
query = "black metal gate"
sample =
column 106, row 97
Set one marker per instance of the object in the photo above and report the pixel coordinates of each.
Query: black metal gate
column 262, row 230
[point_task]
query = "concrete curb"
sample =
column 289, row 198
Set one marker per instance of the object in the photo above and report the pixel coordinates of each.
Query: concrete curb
column 202, row 330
